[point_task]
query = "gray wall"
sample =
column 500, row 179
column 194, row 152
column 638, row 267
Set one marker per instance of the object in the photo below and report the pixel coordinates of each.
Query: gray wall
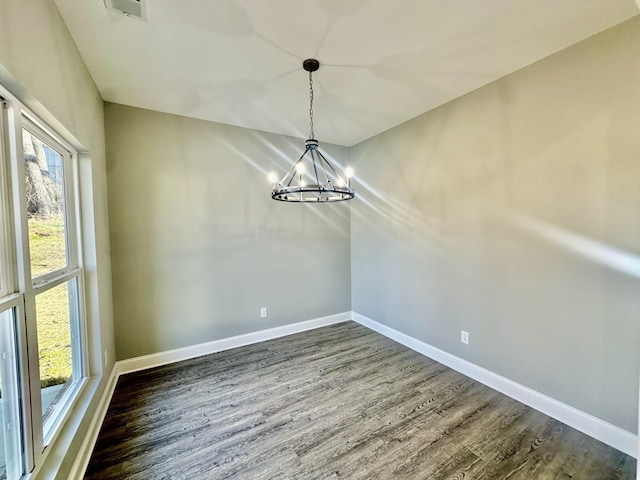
column 197, row 244
column 40, row 64
column 514, row 213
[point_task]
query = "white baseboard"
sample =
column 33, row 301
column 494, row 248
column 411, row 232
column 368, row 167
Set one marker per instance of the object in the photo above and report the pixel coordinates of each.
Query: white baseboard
column 588, row 424
column 605, row 432
column 193, row 351
column 81, row 462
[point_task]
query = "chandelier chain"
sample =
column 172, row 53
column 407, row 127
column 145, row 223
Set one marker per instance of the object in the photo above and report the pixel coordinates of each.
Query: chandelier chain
column 311, row 134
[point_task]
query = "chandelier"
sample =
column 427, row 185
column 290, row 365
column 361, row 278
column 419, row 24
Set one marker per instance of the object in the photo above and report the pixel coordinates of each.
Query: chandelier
column 312, row 178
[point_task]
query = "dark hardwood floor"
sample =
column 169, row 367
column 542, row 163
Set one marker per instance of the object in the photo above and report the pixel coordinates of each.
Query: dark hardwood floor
column 337, row 402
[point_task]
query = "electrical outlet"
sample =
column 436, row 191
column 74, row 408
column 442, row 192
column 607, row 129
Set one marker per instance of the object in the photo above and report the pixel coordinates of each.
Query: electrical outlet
column 106, row 357
column 263, row 312
column 464, row 337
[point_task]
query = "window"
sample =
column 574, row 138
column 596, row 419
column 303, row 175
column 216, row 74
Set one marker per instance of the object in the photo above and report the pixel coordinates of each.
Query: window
column 54, row 265
column 42, row 344
column 11, row 433
column 45, row 207
column 11, row 310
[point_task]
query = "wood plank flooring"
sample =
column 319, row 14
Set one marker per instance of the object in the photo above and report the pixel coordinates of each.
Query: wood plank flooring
column 341, row 402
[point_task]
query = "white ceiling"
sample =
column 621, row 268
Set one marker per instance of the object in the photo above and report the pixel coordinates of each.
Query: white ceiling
column 382, row 62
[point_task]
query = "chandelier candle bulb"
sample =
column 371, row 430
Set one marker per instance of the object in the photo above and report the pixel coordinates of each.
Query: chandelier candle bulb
column 348, row 172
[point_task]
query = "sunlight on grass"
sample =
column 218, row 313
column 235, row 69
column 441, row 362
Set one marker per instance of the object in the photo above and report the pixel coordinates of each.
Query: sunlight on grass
column 47, row 244
column 48, row 253
column 54, row 335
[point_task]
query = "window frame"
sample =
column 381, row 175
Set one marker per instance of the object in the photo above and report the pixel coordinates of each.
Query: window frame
column 15, row 303
column 6, row 236
column 45, row 432
column 17, row 278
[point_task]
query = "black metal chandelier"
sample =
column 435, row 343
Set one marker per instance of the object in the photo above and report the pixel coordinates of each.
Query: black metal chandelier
column 312, row 178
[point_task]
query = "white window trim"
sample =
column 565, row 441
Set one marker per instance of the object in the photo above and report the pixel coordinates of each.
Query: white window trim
column 7, row 275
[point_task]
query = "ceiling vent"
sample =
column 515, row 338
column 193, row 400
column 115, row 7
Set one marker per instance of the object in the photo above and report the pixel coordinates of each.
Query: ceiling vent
column 130, row 8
